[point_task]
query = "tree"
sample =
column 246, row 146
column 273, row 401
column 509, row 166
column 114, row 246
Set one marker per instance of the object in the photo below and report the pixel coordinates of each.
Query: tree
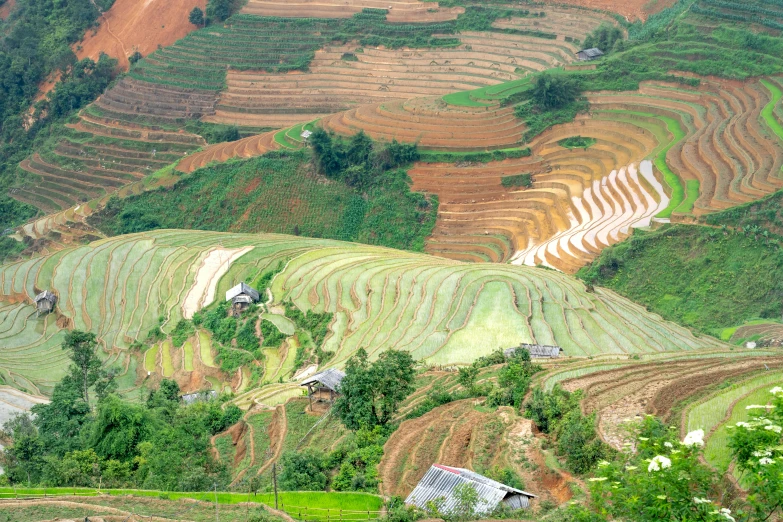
column 554, row 91
column 604, row 38
column 219, row 9
column 303, row 471
column 370, row 393
column 86, row 366
column 196, row 17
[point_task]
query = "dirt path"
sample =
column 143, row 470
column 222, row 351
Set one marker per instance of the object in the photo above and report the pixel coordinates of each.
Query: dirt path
column 279, row 427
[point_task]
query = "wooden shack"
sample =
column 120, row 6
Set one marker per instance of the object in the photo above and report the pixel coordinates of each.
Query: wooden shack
column 537, row 351
column 324, row 386
column 45, row 302
column 241, row 297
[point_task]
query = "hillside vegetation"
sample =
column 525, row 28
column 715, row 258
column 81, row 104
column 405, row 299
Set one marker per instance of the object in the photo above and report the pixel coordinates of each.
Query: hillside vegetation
column 705, row 278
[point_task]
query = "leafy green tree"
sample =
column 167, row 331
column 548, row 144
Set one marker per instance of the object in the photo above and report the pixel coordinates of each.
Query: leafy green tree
column 23, row 460
column 554, row 91
column 371, row 393
column 467, row 504
column 118, row 429
column 61, row 421
column 196, row 17
column 303, row 471
column 604, row 37
column 219, row 9
column 85, row 367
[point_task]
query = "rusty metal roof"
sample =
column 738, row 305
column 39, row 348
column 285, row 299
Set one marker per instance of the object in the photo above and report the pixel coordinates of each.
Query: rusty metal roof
column 439, row 483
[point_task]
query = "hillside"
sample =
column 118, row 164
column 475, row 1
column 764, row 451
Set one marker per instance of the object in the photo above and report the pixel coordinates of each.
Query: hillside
column 442, row 311
column 127, row 28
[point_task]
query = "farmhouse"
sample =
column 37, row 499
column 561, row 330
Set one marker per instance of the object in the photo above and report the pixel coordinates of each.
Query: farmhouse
column 324, row 386
column 440, row 482
column 585, row 55
column 537, row 351
column 45, row 301
column 241, row 297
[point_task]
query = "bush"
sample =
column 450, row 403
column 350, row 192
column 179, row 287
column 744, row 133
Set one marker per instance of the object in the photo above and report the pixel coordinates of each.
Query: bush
column 555, row 91
column 520, row 180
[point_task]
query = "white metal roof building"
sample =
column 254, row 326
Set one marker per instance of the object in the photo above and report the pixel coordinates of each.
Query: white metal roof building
column 586, row 55
column 439, row 483
column 537, row 351
column 242, row 289
column 329, row 379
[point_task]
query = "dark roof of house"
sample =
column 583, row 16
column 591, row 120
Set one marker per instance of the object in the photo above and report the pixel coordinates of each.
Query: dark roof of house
column 536, row 350
column 593, row 52
column 330, row 379
column 240, row 289
column 440, row 481
column 46, row 294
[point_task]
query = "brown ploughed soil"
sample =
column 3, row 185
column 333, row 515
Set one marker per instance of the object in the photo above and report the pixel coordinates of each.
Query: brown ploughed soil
column 138, row 25
column 5, row 10
column 630, row 9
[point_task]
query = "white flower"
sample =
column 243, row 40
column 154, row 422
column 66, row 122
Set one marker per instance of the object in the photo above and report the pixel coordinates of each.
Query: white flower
column 658, row 463
column 596, row 479
column 766, row 453
column 766, row 460
column 630, row 468
column 644, row 438
column 756, row 407
column 776, row 390
column 743, row 425
column 668, row 444
column 603, row 464
column 776, row 429
column 698, row 500
column 694, row 438
column 727, row 513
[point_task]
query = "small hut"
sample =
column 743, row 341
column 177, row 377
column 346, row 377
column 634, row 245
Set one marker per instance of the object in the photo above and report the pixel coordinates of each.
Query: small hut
column 241, row 297
column 324, row 386
column 537, row 351
column 439, row 484
column 586, row 55
column 45, row 301
column 202, row 396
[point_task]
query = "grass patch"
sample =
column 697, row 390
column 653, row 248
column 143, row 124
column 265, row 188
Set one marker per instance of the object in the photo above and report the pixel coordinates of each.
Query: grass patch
column 692, row 194
column 768, row 112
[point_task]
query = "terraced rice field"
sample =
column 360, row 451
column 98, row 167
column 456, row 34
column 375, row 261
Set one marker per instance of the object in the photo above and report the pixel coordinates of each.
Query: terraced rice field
column 398, row 11
column 727, row 147
column 111, row 146
column 581, row 200
column 620, row 391
column 442, row 311
column 433, row 124
column 566, row 22
column 342, row 77
column 764, row 15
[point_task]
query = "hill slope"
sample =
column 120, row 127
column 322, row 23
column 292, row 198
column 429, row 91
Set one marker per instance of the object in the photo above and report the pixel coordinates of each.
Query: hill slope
column 444, row 312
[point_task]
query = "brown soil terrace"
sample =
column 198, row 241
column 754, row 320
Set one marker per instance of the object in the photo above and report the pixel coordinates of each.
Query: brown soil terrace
column 400, row 11
column 138, row 25
column 5, row 10
column 630, row 9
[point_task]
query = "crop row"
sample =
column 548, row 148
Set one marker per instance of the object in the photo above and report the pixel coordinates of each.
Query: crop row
column 437, row 309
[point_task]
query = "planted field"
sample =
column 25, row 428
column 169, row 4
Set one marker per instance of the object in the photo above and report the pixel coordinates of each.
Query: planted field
column 111, row 146
column 568, row 23
column 432, row 123
column 763, row 15
column 621, row 391
column 442, row 311
column 398, row 11
column 726, row 147
column 580, row 200
column 341, row 77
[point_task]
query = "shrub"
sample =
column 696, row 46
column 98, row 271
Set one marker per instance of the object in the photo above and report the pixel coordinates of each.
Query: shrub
column 303, row 471
column 520, row 180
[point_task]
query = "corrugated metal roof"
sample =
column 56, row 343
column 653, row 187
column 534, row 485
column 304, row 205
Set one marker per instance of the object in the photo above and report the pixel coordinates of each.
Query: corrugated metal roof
column 46, row 294
column 593, row 52
column 330, row 378
column 242, row 288
column 439, row 483
column 537, row 351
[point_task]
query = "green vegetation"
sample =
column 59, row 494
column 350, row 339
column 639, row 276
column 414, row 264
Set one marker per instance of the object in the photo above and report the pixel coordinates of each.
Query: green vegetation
column 279, row 193
column 519, row 180
column 577, row 142
column 473, row 157
column 705, row 278
column 768, row 113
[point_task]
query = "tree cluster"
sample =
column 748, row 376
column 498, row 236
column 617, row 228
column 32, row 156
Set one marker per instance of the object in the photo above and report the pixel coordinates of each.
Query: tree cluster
column 88, row 435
